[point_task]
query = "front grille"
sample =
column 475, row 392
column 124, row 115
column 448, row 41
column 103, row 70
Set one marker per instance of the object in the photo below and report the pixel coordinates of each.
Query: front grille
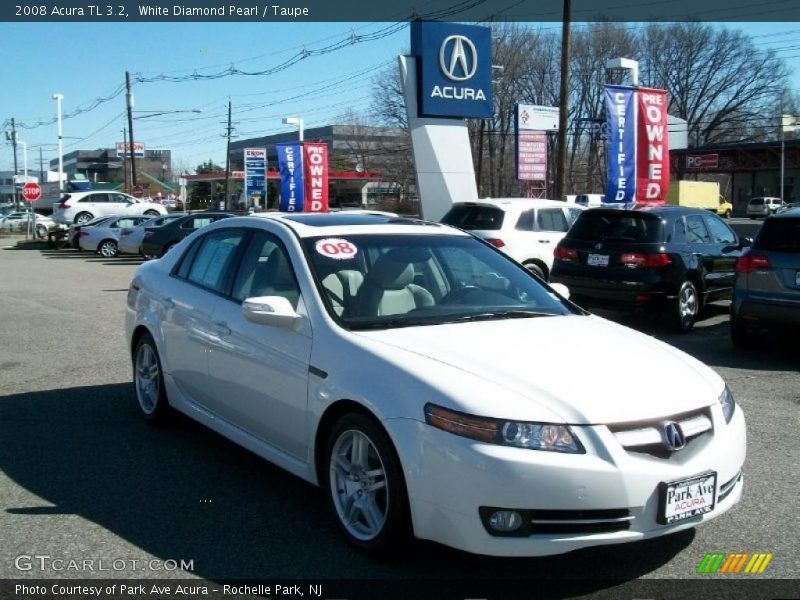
column 645, row 437
column 564, row 521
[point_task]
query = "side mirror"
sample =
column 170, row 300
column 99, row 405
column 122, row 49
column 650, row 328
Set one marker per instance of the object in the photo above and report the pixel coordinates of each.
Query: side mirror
column 745, row 242
column 276, row 311
column 561, row 289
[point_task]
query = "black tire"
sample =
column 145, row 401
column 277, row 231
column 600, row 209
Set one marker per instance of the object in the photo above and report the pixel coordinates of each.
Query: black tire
column 686, row 307
column 82, row 218
column 392, row 502
column 108, row 249
column 742, row 336
column 536, row 269
column 154, row 408
column 41, row 231
column 151, row 213
column 727, row 214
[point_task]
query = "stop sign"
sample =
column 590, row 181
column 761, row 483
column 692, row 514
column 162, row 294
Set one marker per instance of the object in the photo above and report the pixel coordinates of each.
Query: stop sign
column 31, row 191
column 137, row 191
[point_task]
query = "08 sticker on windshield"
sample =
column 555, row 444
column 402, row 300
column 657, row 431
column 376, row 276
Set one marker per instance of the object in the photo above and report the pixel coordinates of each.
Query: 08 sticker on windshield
column 336, row 248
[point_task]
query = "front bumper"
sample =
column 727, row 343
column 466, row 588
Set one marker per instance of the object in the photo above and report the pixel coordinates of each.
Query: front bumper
column 449, row 479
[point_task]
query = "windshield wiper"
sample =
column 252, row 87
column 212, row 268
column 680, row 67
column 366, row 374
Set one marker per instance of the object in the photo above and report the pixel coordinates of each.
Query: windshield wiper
column 502, row 314
column 394, row 323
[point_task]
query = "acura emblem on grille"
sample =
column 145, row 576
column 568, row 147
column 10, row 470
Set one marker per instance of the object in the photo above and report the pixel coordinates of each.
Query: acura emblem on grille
column 598, row 245
column 673, row 435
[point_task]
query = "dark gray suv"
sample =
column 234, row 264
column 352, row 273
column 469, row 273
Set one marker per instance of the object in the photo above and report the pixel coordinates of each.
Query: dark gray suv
column 766, row 291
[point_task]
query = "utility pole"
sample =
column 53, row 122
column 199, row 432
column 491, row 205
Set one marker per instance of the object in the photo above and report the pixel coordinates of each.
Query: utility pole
column 561, row 164
column 41, row 166
column 125, row 162
column 783, row 150
column 16, row 166
column 129, row 99
column 228, row 155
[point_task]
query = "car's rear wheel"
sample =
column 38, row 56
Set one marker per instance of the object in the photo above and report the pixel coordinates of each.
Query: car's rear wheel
column 83, row 218
column 742, row 336
column 687, row 307
column 151, row 213
column 536, row 269
column 41, row 231
column 148, row 380
column 366, row 484
column 108, row 249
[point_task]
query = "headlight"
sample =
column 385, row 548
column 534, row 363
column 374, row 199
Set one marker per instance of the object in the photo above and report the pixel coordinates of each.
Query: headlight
column 520, row 434
column 728, row 404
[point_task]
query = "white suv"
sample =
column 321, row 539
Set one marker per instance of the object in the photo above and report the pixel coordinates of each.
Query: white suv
column 526, row 229
column 81, row 207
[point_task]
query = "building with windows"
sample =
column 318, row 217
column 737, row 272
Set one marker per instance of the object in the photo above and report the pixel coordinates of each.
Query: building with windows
column 103, row 165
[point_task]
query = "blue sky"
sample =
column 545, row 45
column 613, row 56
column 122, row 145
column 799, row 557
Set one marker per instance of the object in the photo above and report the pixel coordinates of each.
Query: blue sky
column 85, row 61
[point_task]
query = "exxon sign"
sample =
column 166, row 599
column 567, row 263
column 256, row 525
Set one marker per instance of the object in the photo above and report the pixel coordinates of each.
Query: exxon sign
column 454, row 69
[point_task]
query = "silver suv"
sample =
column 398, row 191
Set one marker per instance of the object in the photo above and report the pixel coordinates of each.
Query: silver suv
column 763, row 206
column 766, row 291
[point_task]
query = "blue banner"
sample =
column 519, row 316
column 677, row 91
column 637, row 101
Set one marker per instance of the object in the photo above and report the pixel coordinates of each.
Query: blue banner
column 255, row 176
column 290, row 164
column 621, row 119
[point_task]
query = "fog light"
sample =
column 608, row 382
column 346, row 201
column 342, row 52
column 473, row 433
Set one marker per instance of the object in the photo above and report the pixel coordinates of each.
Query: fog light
column 505, row 521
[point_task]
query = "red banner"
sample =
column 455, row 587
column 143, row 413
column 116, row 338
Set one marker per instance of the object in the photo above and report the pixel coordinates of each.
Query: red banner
column 652, row 151
column 315, row 164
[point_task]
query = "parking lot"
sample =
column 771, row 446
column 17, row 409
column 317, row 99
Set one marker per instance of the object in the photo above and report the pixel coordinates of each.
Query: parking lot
column 81, row 476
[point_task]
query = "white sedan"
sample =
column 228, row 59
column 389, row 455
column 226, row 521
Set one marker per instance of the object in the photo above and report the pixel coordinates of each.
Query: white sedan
column 423, row 379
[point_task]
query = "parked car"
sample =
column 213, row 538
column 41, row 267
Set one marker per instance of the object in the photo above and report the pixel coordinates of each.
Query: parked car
column 103, row 238
column 665, row 258
column 360, row 353
column 763, row 207
column 766, row 294
column 130, row 239
column 74, row 234
column 525, row 229
column 20, row 222
column 81, row 207
column 157, row 241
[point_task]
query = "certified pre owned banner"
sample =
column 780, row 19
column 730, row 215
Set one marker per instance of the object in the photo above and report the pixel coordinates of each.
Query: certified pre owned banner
column 290, row 164
column 316, row 176
column 621, row 117
column 652, row 163
column 255, row 174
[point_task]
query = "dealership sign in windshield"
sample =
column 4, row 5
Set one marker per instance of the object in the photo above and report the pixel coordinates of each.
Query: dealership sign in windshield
column 454, row 69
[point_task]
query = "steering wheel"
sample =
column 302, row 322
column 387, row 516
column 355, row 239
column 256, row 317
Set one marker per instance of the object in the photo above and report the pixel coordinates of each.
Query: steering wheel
column 457, row 295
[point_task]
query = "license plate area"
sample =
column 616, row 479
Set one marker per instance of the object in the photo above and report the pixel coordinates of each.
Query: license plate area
column 597, row 260
column 683, row 499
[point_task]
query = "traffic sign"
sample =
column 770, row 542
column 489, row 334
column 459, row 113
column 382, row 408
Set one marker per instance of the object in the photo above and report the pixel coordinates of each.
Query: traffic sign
column 31, row 191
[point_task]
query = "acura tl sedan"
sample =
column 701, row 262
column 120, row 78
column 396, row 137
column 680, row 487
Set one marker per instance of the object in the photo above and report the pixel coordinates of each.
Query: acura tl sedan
column 417, row 374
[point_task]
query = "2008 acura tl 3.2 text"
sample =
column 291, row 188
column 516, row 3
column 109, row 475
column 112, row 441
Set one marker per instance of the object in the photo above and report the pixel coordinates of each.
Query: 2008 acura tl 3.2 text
column 425, row 379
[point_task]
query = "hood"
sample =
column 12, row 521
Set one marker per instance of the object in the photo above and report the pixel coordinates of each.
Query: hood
column 584, row 368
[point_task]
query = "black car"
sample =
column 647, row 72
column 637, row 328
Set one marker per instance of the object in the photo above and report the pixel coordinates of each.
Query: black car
column 158, row 240
column 666, row 258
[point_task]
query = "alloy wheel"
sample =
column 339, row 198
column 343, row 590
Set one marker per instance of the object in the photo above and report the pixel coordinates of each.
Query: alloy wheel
column 108, row 249
column 147, row 379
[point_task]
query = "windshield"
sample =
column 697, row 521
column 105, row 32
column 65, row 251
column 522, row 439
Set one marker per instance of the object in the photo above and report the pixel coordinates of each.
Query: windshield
column 383, row 281
column 474, row 216
column 756, row 202
column 598, row 225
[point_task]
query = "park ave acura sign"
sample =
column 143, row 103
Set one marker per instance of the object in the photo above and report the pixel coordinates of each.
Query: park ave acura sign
column 454, row 69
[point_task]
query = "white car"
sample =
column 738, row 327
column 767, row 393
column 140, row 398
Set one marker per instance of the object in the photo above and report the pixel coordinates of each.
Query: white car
column 103, row 237
column 418, row 375
column 130, row 239
column 81, row 207
column 20, row 222
column 526, row 229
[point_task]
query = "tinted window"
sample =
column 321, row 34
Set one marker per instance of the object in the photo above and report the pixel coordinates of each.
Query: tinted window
column 117, row 198
column 551, row 219
column 598, row 225
column 197, row 222
column 756, row 202
column 265, row 270
column 779, row 235
column 720, row 233
column 95, row 198
column 466, row 216
column 525, row 222
column 695, row 230
column 574, row 213
column 214, row 259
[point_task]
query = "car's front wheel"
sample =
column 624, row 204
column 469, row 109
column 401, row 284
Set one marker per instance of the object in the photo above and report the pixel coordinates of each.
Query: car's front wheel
column 83, row 218
column 108, row 249
column 687, row 307
column 366, row 484
column 151, row 213
column 536, row 269
column 148, row 380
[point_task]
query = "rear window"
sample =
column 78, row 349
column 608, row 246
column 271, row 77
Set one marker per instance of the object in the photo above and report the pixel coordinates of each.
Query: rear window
column 779, row 235
column 756, row 202
column 474, row 217
column 599, row 226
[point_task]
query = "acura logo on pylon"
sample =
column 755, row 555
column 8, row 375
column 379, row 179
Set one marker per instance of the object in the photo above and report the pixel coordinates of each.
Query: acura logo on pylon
column 458, row 47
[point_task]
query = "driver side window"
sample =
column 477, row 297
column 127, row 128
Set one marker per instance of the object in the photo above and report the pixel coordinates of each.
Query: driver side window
column 265, row 270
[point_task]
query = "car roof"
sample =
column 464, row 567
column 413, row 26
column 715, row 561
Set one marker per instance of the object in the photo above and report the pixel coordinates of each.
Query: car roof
column 516, row 203
column 790, row 213
column 354, row 222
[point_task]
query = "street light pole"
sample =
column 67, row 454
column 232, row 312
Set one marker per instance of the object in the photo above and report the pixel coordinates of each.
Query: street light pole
column 58, row 98
column 561, row 165
column 296, row 121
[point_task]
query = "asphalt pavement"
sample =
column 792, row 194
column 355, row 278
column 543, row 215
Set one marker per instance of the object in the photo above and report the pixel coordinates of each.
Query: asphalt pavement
column 81, row 476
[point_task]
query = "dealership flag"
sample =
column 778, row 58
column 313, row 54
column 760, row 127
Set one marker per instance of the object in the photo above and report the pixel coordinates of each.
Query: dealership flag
column 290, row 164
column 621, row 118
column 652, row 156
column 315, row 161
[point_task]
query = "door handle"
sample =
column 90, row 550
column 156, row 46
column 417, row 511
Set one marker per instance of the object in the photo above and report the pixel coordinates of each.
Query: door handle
column 222, row 328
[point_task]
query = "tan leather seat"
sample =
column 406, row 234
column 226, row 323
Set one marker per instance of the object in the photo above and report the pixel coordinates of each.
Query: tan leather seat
column 275, row 277
column 389, row 288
